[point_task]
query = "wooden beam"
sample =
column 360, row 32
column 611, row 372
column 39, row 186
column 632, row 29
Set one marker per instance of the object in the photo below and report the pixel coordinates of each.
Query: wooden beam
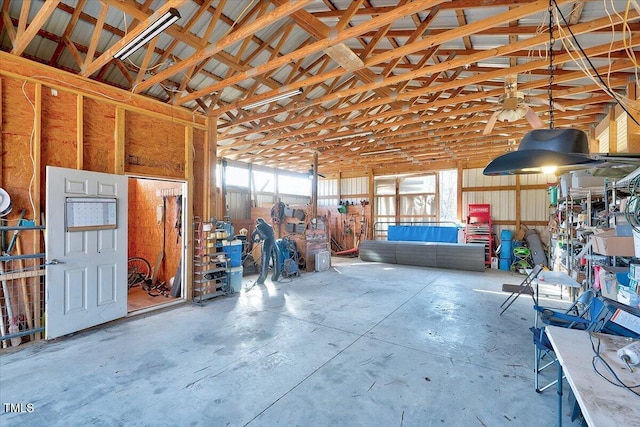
column 11, row 31
column 613, row 131
column 37, row 162
column 79, row 132
column 24, row 17
column 20, row 68
column 145, row 61
column 187, row 240
column 211, row 164
column 67, row 33
column 107, row 55
column 95, row 36
column 23, row 38
column 633, row 128
column 241, row 33
column 313, row 48
column 441, row 67
column 73, row 50
column 119, row 143
column 1, row 132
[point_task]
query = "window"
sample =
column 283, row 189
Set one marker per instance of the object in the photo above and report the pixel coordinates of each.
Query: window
column 448, row 192
column 295, row 185
column 263, row 181
column 237, row 177
column 415, row 199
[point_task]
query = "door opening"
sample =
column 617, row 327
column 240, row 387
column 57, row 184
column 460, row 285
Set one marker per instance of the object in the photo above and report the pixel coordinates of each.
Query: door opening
column 156, row 247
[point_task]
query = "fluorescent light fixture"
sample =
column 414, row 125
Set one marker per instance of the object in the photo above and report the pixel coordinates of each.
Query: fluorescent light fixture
column 274, row 98
column 388, row 150
column 150, row 32
column 351, row 135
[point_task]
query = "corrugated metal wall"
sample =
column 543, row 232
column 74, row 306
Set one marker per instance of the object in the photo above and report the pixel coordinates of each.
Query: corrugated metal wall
column 622, row 142
column 534, row 204
column 603, row 141
column 239, row 204
column 352, row 190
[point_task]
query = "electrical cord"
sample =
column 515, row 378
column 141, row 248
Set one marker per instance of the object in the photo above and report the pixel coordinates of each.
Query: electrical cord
column 598, row 358
column 595, row 70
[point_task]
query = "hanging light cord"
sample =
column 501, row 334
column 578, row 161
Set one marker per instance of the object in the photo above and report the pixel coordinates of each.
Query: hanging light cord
column 552, row 40
column 573, row 36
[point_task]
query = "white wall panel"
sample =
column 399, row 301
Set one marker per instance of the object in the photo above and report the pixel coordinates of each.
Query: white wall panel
column 295, row 200
column 327, row 187
column 622, row 133
column 534, row 205
column 475, row 178
column 502, row 203
column 537, row 178
column 328, row 202
column 354, row 186
column 603, row 141
column 264, row 201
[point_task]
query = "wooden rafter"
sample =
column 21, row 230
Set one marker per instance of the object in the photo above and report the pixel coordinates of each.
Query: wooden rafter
column 528, row 43
column 322, row 44
column 95, row 38
column 229, row 40
column 24, row 36
column 107, row 55
column 427, row 83
column 67, row 32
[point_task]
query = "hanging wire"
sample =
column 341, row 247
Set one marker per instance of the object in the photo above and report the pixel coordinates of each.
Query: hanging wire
column 552, row 40
column 607, row 89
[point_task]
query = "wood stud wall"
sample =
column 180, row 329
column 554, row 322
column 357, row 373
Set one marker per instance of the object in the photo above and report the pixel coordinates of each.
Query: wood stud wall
column 67, row 121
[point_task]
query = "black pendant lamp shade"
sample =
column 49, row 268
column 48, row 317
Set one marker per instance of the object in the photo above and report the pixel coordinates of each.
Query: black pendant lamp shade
column 541, row 148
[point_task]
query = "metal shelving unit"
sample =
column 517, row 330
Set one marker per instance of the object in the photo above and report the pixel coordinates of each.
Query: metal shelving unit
column 210, row 263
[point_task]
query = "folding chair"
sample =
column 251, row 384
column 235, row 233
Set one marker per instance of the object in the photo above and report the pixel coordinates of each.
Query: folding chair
column 587, row 313
column 524, row 287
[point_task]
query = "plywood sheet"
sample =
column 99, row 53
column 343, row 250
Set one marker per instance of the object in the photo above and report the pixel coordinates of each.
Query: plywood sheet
column 17, row 127
column 153, row 147
column 58, row 129
column 98, row 132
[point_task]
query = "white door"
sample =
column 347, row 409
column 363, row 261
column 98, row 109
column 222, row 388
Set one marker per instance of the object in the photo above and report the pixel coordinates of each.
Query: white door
column 86, row 282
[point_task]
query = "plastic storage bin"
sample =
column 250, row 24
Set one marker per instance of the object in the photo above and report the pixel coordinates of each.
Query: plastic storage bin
column 233, row 249
column 235, row 278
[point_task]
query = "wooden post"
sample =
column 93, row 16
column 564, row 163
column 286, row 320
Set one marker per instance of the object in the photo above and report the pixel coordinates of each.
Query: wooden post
column 459, row 195
column 633, row 129
column 37, row 291
column 187, row 212
column 613, row 131
column 518, row 201
column 119, row 134
column 79, row 132
column 314, row 187
column 211, row 162
column 372, row 217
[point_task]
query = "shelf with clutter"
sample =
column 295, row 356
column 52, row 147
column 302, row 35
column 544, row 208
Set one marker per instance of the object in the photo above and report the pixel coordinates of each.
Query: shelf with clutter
column 596, row 236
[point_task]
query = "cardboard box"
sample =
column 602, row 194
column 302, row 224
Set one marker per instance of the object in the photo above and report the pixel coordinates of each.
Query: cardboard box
column 608, row 243
column 634, row 271
column 581, row 179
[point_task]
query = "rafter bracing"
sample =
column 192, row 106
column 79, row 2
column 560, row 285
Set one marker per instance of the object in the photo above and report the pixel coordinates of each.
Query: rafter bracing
column 226, row 41
column 528, row 43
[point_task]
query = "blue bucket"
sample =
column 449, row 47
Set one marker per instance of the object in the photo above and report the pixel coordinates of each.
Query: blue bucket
column 234, row 252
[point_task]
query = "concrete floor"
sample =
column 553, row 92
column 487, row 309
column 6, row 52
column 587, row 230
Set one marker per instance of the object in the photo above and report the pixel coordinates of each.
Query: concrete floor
column 363, row 344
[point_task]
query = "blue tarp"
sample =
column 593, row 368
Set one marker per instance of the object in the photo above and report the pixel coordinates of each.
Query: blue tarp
column 417, row 233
